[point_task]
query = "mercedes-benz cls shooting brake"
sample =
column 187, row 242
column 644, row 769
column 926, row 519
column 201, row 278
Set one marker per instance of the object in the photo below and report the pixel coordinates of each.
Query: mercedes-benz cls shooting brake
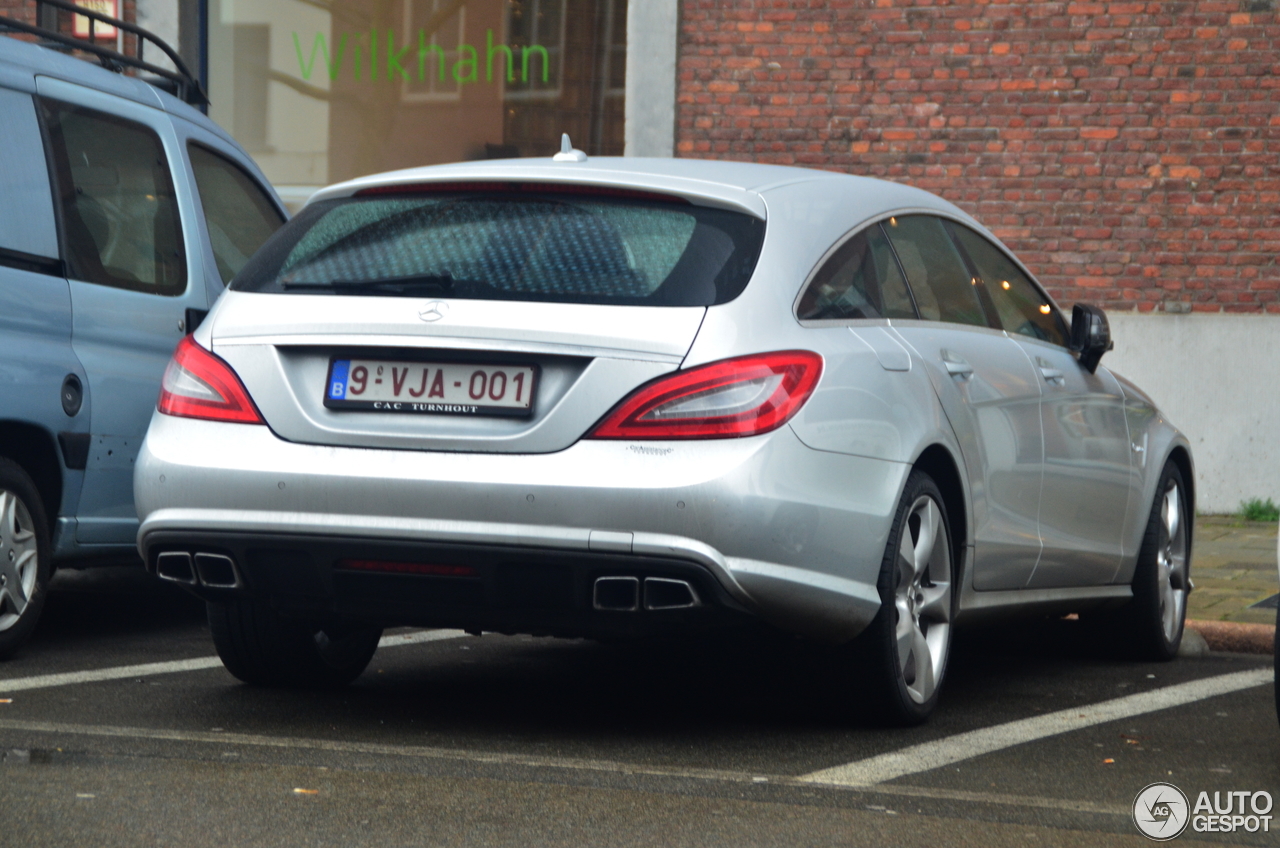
column 620, row 396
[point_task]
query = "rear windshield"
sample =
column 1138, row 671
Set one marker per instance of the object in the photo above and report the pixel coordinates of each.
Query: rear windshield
column 512, row 245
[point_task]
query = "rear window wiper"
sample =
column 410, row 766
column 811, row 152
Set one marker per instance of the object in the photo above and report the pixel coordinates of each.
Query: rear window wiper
column 411, row 285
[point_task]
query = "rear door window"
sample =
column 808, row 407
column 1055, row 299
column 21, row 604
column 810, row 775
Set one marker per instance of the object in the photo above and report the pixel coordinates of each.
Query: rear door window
column 119, row 211
column 238, row 213
column 943, row 288
column 512, row 242
column 860, row 280
column 28, row 235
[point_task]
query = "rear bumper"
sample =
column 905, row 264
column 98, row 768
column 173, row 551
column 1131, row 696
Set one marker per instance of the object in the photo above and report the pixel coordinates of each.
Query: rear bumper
column 543, row 591
column 793, row 535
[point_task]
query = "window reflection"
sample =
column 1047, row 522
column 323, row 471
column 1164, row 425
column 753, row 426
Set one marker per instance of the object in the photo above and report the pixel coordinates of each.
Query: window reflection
column 326, row 91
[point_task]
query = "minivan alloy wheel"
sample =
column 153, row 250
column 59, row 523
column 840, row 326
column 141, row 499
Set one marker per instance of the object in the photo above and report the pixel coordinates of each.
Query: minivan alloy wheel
column 19, row 558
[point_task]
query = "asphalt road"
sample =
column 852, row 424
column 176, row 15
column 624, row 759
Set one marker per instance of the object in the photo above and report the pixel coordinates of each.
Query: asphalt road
column 1043, row 737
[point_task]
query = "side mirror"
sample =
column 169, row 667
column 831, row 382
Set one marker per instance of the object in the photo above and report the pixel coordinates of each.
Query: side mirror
column 1090, row 334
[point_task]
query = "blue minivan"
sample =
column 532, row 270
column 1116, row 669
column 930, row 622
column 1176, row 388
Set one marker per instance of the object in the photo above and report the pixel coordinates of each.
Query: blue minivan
column 124, row 211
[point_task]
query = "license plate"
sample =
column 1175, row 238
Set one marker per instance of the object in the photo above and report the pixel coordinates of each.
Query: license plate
column 431, row 388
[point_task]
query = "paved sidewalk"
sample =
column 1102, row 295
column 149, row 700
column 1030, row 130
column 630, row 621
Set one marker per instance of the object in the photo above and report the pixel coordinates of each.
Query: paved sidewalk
column 1233, row 566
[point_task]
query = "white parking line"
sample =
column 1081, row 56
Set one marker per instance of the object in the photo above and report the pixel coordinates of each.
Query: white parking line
column 70, row 678
column 975, row 743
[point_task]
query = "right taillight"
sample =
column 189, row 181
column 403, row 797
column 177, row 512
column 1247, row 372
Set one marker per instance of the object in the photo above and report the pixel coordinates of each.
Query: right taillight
column 745, row 396
column 198, row 384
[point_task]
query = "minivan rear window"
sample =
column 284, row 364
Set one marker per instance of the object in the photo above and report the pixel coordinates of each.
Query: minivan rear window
column 509, row 244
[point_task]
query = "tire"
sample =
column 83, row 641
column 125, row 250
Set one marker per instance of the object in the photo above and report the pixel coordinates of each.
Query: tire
column 25, row 564
column 263, row 649
column 1152, row 623
column 1277, row 662
column 905, row 650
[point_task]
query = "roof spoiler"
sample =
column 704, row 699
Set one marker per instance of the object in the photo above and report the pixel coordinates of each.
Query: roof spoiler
column 180, row 83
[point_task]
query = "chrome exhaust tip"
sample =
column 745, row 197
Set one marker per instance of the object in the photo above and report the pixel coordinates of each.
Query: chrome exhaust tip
column 175, row 566
column 616, row 594
column 664, row 593
column 218, row 571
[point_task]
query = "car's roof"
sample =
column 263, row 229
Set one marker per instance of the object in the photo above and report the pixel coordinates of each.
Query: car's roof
column 23, row 57
column 739, row 185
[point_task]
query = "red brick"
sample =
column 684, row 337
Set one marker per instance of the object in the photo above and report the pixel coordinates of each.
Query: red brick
column 1124, row 148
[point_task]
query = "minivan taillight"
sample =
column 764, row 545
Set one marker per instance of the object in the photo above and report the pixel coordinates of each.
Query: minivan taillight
column 198, row 384
column 744, row 396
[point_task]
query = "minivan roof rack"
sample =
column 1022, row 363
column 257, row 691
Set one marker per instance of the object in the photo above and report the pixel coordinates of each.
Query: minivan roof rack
column 184, row 84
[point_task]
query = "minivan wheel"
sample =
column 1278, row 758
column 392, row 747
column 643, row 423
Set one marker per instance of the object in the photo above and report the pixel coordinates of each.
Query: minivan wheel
column 25, row 564
column 260, row 647
column 906, row 647
column 1152, row 623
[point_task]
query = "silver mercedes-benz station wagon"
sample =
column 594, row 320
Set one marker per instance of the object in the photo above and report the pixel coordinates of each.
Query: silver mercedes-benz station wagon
column 621, row 396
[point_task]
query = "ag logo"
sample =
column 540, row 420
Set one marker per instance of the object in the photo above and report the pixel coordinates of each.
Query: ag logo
column 1161, row 812
column 433, row 311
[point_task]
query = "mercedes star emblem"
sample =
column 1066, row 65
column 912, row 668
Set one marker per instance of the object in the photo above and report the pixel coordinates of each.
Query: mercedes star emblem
column 434, row 311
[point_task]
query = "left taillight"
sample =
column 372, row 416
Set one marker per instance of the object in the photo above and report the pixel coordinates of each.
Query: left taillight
column 745, row 396
column 198, row 384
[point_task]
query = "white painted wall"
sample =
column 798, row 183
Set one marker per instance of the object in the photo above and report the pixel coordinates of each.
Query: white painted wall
column 1217, row 378
column 651, row 77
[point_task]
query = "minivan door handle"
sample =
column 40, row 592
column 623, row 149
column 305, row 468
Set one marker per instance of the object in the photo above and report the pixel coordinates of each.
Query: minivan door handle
column 956, row 365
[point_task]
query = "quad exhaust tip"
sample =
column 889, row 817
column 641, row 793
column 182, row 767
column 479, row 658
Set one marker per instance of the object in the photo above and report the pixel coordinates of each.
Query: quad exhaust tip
column 214, row 571
column 176, row 567
column 625, row 594
column 663, row 593
column 217, row 571
column 617, row 594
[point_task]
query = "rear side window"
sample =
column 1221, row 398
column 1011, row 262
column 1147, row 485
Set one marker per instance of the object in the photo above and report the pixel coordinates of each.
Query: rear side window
column 513, row 245
column 119, row 211
column 943, row 288
column 860, row 280
column 1020, row 305
column 238, row 213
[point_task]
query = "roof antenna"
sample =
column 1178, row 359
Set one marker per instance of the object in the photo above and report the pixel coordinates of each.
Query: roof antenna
column 567, row 151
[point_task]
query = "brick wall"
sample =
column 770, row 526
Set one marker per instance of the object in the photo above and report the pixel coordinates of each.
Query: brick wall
column 22, row 10
column 1129, row 152
column 25, row 10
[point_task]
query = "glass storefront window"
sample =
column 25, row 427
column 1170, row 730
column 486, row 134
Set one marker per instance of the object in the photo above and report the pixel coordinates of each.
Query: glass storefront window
column 322, row 92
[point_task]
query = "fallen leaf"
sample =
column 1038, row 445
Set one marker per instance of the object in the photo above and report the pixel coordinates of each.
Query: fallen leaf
column 299, row 791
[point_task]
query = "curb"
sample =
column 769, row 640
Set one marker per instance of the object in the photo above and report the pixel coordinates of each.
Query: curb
column 1235, row 636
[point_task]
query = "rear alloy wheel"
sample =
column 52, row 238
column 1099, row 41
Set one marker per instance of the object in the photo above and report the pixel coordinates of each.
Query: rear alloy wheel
column 906, row 647
column 1161, row 581
column 24, row 557
column 261, row 648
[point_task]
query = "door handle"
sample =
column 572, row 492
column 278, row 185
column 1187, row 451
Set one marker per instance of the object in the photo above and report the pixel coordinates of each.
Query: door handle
column 1053, row 375
column 956, row 365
